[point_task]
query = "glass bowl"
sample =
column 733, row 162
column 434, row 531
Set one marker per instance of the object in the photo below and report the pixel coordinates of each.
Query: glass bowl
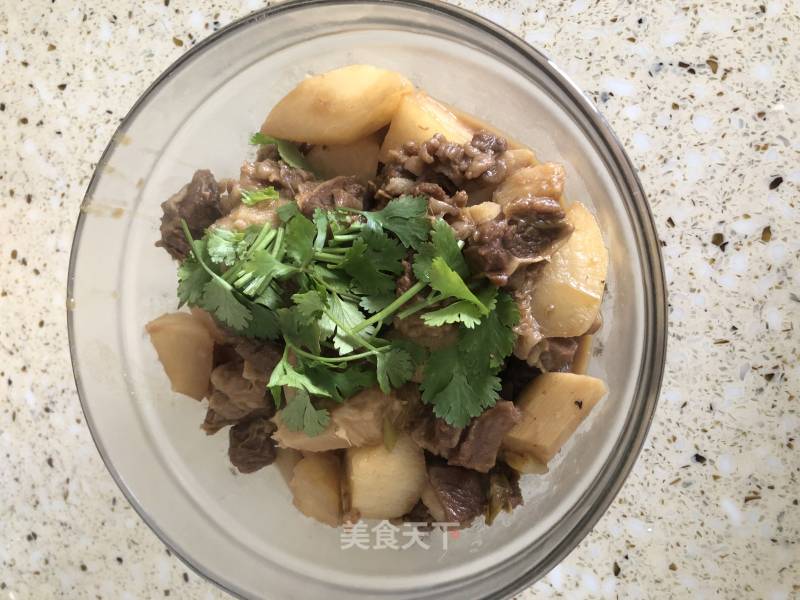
column 242, row 532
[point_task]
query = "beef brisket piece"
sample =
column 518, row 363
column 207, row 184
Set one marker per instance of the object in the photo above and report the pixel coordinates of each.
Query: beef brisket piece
column 250, row 444
column 478, row 450
column 342, row 191
column 559, row 354
column 528, row 231
column 461, row 492
column 435, row 435
column 197, row 203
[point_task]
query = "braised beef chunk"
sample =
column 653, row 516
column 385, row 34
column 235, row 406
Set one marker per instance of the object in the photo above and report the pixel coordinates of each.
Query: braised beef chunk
column 250, row 444
column 435, row 435
column 478, row 450
column 523, row 287
column 214, row 422
column 446, row 165
column 534, row 225
column 440, row 203
column 269, row 171
column 342, row 191
column 197, row 203
column 461, row 492
column 233, row 396
column 262, row 356
column 414, row 328
column 528, row 231
column 559, row 354
column 504, row 493
column 407, row 279
column 516, row 374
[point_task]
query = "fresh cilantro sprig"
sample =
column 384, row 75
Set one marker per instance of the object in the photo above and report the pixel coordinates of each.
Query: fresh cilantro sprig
column 287, row 150
column 461, row 381
column 252, row 197
column 325, row 287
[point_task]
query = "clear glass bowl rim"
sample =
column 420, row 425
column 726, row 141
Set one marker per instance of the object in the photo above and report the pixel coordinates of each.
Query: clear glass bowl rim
column 655, row 324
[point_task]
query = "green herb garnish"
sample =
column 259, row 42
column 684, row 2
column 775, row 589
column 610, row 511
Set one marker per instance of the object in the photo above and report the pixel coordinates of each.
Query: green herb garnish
column 341, row 267
column 251, row 197
column 287, row 150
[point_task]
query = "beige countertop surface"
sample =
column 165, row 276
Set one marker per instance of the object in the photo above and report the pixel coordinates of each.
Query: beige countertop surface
column 706, row 99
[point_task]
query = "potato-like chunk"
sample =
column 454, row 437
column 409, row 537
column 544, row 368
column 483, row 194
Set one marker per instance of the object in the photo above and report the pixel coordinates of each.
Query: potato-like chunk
column 569, row 289
column 338, row 107
column 483, row 212
column 359, row 159
column 543, row 181
column 385, row 484
column 552, row 405
column 315, row 485
column 518, row 159
column 418, row 118
column 432, row 503
column 357, row 422
column 523, row 463
column 286, row 460
column 186, row 350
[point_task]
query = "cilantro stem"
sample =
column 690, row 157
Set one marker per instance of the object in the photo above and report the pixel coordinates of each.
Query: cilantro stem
column 400, row 301
column 265, row 236
column 351, row 333
column 332, row 258
column 342, row 237
column 432, row 299
column 277, row 249
column 332, row 360
column 265, row 242
column 199, row 258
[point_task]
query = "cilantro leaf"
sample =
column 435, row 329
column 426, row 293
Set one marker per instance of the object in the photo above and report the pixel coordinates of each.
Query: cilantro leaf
column 460, row 311
column 507, row 310
column 394, row 368
column 443, row 243
column 287, row 150
column 493, row 339
column 406, row 217
column 252, row 197
column 341, row 385
column 333, row 280
column 263, row 325
column 359, row 264
column 192, row 280
column 300, row 415
column 269, row 298
column 285, row 374
column 299, row 239
column 287, row 211
column 221, row 302
column 264, row 268
column 457, row 393
column 445, row 280
column 341, row 316
column 297, row 330
column 222, row 245
column 321, row 222
column 417, row 353
column 386, row 252
column 375, row 303
column 310, row 304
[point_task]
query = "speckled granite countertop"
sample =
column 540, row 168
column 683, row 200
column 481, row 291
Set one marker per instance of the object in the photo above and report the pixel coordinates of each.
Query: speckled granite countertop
column 707, row 101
